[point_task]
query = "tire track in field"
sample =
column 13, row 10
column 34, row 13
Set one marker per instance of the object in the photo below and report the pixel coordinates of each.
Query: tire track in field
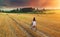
column 39, row 32
column 53, row 29
column 20, row 27
column 32, row 33
column 42, row 30
column 46, row 26
column 11, row 29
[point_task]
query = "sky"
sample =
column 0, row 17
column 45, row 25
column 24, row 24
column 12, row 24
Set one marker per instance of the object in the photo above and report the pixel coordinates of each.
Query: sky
column 48, row 4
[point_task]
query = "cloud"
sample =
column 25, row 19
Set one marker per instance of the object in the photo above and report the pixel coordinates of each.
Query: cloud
column 33, row 3
column 14, row 2
column 1, row 2
column 19, row 2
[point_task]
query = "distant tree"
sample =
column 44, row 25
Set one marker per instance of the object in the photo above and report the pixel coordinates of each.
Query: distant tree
column 27, row 9
column 0, row 10
column 17, row 9
column 13, row 11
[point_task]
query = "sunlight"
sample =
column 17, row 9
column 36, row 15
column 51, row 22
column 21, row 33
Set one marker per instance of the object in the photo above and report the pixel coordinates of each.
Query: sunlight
column 58, row 4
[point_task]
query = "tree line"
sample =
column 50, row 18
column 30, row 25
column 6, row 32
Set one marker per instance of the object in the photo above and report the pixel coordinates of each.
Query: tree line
column 24, row 10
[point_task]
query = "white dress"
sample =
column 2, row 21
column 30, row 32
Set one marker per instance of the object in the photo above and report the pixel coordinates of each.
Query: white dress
column 34, row 23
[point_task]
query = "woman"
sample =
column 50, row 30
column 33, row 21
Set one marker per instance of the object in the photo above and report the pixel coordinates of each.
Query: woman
column 34, row 24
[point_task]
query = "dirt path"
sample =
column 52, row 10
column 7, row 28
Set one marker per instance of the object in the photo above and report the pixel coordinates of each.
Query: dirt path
column 37, row 33
column 9, row 28
column 12, row 26
column 21, row 29
column 29, row 31
column 42, row 27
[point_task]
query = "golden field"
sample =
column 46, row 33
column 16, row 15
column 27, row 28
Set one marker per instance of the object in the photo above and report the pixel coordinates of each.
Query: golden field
column 18, row 25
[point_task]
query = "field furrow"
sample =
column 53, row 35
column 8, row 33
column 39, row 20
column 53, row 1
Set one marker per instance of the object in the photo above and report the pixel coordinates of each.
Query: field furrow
column 19, row 25
column 34, row 34
column 26, row 25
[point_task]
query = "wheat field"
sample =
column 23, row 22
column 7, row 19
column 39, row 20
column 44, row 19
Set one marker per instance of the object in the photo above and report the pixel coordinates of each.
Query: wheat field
column 18, row 25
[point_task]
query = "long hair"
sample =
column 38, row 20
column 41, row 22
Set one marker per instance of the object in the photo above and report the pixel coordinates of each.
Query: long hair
column 34, row 19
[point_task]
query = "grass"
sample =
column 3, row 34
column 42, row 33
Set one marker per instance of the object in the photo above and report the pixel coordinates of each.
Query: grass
column 49, row 24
